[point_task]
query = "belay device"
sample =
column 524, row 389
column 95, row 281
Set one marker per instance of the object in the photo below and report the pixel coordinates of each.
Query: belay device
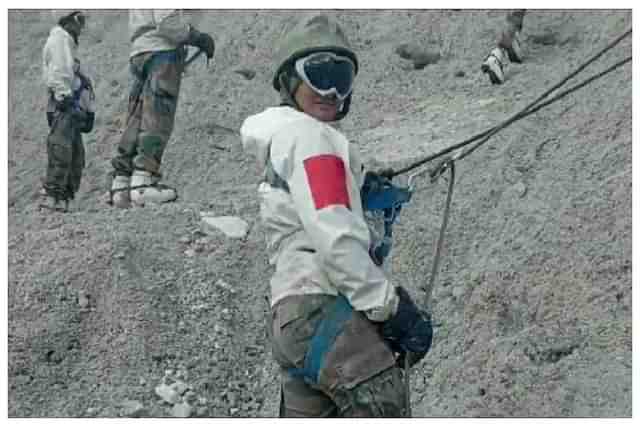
column 382, row 200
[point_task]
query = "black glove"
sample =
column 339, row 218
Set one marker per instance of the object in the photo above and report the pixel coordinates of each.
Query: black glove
column 86, row 124
column 202, row 41
column 50, row 118
column 65, row 104
column 409, row 331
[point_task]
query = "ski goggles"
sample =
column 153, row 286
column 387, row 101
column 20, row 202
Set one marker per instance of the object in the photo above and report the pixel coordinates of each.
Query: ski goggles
column 327, row 73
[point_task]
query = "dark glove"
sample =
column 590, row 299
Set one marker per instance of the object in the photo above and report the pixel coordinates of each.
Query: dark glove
column 50, row 118
column 65, row 104
column 409, row 331
column 86, row 124
column 202, row 41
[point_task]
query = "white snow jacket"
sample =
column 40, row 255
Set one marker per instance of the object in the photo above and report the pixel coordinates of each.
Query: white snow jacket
column 311, row 211
column 153, row 30
column 59, row 56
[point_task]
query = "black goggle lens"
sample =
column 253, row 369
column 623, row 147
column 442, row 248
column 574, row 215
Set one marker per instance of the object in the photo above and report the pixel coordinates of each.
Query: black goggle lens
column 326, row 73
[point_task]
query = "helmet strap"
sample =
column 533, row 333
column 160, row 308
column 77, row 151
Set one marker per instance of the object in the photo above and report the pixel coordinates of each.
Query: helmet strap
column 344, row 108
column 289, row 82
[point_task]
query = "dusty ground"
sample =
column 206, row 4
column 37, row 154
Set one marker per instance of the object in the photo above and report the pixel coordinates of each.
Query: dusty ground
column 534, row 294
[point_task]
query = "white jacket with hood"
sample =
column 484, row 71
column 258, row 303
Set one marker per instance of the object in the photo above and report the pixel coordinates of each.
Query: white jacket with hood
column 59, row 57
column 154, row 30
column 311, row 211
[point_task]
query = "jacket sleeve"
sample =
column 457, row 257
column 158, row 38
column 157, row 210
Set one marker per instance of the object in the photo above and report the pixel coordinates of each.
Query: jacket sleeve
column 327, row 200
column 59, row 67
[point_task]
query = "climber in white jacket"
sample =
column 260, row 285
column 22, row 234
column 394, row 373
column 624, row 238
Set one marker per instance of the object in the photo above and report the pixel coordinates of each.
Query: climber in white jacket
column 334, row 311
column 70, row 110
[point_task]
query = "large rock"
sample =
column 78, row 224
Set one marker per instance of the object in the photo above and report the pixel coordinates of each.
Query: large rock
column 182, row 410
column 232, row 226
column 417, row 54
column 167, row 393
column 133, row 408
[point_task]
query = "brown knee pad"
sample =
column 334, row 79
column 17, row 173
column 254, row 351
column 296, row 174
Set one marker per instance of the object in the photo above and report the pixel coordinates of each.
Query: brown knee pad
column 380, row 396
column 298, row 399
column 358, row 353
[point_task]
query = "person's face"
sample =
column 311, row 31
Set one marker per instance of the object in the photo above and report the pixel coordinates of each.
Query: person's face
column 321, row 108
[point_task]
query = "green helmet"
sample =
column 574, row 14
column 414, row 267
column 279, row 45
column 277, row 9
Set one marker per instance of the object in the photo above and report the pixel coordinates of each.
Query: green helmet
column 316, row 33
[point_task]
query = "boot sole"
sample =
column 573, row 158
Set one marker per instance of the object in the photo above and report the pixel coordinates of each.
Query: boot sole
column 487, row 70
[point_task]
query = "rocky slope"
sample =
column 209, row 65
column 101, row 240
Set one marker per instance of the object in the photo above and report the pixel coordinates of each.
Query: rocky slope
column 533, row 300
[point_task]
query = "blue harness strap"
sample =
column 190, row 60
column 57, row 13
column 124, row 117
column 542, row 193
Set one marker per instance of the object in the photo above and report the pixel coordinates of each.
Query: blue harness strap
column 325, row 335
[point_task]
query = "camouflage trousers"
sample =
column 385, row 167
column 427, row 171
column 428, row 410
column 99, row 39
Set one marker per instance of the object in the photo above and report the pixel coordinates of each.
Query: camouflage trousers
column 515, row 19
column 65, row 157
column 153, row 99
column 358, row 377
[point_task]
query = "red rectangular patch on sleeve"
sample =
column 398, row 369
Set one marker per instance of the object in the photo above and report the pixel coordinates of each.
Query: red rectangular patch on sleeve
column 327, row 181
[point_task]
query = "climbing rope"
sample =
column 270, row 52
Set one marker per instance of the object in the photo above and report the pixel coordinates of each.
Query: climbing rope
column 483, row 137
column 529, row 109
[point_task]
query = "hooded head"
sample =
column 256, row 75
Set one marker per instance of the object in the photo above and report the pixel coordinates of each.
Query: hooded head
column 73, row 21
column 316, row 33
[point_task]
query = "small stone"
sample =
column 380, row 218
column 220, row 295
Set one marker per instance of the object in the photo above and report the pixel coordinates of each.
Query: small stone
column 234, row 411
column 167, row 394
column 458, row 292
column 520, row 189
column 119, row 255
column 132, row 409
column 181, row 374
column 181, row 410
column 246, row 73
column 142, row 381
column 224, row 285
column 232, row 226
column 92, row 412
column 83, row 300
column 185, row 240
column 202, row 401
column 180, row 387
column 190, row 253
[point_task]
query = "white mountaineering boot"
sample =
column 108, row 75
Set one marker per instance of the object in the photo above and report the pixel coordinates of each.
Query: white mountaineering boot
column 146, row 189
column 120, row 192
column 493, row 65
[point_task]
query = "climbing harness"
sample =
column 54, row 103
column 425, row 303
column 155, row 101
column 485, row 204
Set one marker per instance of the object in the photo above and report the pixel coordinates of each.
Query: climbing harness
column 382, row 199
column 323, row 339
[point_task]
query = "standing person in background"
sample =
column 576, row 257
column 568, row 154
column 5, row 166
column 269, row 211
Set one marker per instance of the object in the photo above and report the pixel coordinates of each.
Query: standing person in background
column 158, row 40
column 70, row 110
column 339, row 326
column 509, row 46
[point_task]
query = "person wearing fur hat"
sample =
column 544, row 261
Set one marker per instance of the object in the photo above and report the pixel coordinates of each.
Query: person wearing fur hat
column 340, row 330
column 156, row 62
column 70, row 110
